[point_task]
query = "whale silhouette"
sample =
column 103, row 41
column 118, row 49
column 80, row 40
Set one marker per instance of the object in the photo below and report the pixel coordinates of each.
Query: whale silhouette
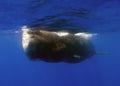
column 56, row 46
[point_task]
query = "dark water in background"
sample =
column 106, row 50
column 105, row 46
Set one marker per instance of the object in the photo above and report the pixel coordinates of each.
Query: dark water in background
column 95, row 16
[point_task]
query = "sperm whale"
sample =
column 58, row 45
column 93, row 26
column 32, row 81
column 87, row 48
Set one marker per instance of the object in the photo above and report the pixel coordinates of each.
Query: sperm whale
column 56, row 46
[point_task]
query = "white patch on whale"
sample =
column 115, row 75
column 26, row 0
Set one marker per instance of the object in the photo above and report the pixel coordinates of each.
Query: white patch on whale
column 84, row 35
column 62, row 33
column 77, row 56
column 25, row 37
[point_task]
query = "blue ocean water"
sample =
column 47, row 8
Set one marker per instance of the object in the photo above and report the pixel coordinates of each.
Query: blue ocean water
column 95, row 16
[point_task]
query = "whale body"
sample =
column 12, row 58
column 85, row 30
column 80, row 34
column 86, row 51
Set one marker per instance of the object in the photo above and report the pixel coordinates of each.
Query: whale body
column 56, row 46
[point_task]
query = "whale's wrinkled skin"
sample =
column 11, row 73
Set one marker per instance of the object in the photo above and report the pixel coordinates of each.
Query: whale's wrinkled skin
column 51, row 46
